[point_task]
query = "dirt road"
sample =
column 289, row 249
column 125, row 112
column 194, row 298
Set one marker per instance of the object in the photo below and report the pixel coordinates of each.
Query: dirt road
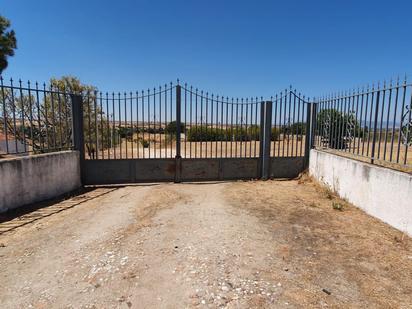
column 274, row 244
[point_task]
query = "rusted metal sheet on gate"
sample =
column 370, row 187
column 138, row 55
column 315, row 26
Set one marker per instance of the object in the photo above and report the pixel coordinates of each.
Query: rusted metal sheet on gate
column 286, row 167
column 128, row 171
column 219, row 169
column 240, row 168
column 200, row 169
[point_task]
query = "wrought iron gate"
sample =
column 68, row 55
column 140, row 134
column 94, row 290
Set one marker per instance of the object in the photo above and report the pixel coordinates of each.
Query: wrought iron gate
column 179, row 133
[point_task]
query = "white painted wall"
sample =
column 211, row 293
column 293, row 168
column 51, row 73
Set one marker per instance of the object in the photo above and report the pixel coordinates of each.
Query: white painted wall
column 381, row 192
column 31, row 179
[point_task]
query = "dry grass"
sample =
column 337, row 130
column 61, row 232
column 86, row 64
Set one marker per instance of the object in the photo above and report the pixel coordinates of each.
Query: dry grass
column 360, row 260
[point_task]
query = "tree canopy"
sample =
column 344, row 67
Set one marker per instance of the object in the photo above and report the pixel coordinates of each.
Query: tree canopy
column 8, row 43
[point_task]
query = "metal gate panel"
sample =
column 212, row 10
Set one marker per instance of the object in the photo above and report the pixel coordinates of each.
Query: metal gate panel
column 177, row 133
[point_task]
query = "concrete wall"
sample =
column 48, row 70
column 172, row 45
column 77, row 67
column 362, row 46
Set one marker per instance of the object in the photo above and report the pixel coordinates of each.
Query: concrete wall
column 381, row 192
column 36, row 178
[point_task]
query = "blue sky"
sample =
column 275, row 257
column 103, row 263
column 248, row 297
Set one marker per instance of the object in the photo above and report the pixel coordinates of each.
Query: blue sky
column 235, row 48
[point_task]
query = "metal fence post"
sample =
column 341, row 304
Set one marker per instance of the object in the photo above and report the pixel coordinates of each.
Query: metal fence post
column 261, row 135
column 375, row 125
column 313, row 124
column 309, row 131
column 178, row 157
column 77, row 131
column 266, row 123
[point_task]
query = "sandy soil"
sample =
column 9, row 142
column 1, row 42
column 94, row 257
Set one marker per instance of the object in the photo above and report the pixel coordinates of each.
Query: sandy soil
column 274, row 244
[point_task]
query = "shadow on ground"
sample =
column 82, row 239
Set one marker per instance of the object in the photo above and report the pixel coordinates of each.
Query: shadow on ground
column 21, row 216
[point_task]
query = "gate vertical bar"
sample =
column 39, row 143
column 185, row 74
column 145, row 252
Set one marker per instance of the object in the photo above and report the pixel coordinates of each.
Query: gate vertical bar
column 178, row 157
column 78, row 132
column 375, row 126
column 266, row 113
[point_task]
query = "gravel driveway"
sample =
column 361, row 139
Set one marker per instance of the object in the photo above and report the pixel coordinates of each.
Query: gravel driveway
column 274, row 244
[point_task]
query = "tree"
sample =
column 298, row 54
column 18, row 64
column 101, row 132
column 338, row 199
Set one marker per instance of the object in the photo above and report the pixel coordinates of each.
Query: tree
column 44, row 118
column 8, row 43
column 98, row 133
column 337, row 128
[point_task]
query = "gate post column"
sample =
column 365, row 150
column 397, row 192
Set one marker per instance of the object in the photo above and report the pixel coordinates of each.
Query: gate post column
column 178, row 157
column 265, row 135
column 309, row 134
column 77, row 129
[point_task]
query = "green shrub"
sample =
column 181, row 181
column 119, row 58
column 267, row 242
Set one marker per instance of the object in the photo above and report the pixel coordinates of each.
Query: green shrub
column 202, row 133
column 171, row 127
column 145, row 143
column 275, row 134
column 125, row 132
column 298, row 128
column 337, row 206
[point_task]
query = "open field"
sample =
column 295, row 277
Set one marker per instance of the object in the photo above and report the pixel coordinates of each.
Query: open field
column 274, row 244
column 161, row 147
